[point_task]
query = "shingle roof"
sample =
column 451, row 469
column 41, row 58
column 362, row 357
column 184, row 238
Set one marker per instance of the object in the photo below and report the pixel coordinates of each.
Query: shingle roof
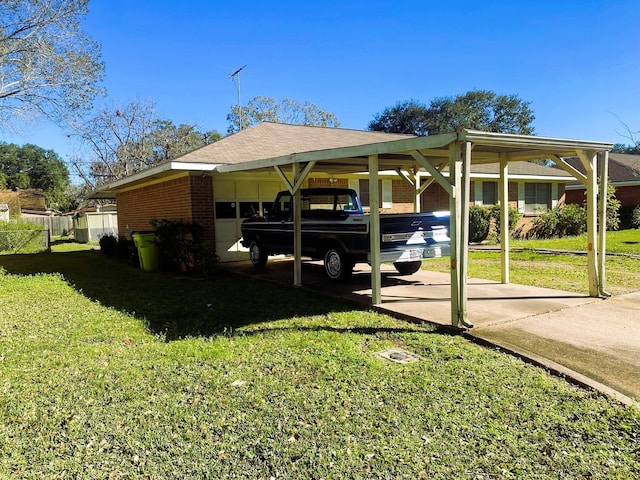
column 270, row 140
column 622, row 167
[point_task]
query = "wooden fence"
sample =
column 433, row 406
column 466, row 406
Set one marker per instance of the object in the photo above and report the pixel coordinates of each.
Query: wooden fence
column 58, row 226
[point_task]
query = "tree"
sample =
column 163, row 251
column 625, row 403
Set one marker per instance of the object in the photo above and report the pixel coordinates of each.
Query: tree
column 30, row 166
column 628, row 149
column 266, row 109
column 169, row 141
column 409, row 116
column 476, row 109
column 48, row 67
column 121, row 141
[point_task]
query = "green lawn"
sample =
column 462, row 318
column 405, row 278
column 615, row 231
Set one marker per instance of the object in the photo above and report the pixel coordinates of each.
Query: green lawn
column 528, row 266
column 110, row 372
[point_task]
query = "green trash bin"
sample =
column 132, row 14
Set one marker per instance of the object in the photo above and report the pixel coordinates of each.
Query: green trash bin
column 147, row 251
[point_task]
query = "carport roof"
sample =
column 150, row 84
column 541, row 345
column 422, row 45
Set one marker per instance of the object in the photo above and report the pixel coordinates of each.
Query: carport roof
column 342, row 151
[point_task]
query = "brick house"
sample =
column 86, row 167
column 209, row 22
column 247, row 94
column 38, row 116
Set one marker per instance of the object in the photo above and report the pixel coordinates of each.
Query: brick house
column 624, row 175
column 192, row 189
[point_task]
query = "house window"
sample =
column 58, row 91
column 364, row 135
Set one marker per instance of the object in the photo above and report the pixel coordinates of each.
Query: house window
column 537, row 197
column 363, row 186
column 489, row 193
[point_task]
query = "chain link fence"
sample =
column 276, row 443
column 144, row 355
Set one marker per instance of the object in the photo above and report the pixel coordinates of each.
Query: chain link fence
column 24, row 241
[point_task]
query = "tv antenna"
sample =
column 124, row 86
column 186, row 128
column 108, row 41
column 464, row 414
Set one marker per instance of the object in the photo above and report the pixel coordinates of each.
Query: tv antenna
column 235, row 77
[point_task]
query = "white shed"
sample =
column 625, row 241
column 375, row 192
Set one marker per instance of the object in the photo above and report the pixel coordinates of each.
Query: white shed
column 90, row 226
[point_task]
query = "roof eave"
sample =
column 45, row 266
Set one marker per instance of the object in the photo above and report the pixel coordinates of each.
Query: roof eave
column 157, row 171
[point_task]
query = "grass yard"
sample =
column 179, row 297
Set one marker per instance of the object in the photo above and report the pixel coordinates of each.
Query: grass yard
column 528, row 266
column 110, row 372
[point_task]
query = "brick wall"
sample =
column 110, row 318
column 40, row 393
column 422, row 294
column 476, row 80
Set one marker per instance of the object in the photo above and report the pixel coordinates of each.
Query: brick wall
column 628, row 196
column 434, row 199
column 324, row 182
column 202, row 206
column 170, row 199
column 402, row 197
column 189, row 199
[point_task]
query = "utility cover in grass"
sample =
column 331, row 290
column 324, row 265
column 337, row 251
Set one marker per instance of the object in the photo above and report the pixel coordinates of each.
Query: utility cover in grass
column 398, row 355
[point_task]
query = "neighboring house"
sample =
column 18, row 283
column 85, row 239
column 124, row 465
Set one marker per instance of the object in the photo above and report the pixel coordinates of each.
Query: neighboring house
column 19, row 201
column 30, row 205
column 190, row 188
column 624, row 175
column 533, row 189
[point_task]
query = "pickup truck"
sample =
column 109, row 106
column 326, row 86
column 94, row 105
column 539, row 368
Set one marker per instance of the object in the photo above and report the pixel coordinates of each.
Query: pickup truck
column 335, row 229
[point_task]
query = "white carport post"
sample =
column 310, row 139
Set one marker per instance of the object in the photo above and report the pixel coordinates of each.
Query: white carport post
column 504, row 217
column 297, row 228
column 374, row 230
column 588, row 160
column 602, row 243
column 459, row 177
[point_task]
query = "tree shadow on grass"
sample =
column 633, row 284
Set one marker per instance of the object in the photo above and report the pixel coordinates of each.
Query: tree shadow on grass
column 176, row 306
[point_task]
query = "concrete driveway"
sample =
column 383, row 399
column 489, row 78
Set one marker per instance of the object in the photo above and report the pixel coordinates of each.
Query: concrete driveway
column 594, row 342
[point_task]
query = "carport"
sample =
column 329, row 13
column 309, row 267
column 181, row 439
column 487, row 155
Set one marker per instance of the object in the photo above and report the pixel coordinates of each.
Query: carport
column 456, row 152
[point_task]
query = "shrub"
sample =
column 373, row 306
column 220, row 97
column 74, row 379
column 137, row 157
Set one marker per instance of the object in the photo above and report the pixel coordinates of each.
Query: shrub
column 569, row 220
column 108, row 245
column 514, row 216
column 613, row 209
column 572, row 221
column 181, row 247
column 126, row 250
column 635, row 217
column 479, row 223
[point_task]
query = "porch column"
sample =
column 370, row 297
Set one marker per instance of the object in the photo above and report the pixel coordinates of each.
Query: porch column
column 297, row 228
column 463, row 234
column 504, row 218
column 602, row 243
column 455, row 167
column 588, row 160
column 374, row 230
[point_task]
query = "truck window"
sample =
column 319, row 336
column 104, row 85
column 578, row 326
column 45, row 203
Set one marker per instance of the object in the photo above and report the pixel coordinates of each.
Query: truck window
column 280, row 207
column 345, row 203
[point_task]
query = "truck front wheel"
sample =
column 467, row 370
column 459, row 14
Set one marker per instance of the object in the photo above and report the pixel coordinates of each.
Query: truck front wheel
column 257, row 254
column 407, row 268
column 337, row 264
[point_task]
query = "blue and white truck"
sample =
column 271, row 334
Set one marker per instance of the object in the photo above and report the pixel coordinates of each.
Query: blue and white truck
column 335, row 229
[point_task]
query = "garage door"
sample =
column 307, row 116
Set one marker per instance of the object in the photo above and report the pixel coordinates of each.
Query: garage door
column 236, row 200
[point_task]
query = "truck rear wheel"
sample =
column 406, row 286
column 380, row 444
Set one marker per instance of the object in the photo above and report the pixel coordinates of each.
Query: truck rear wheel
column 257, row 254
column 407, row 268
column 337, row 264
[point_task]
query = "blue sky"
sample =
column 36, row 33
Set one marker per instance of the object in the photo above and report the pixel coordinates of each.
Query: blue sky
column 577, row 62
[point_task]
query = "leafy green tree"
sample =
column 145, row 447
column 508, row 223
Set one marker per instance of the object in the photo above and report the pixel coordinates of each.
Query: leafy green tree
column 48, row 66
column 409, row 116
column 31, row 166
column 477, row 109
column 267, row 109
